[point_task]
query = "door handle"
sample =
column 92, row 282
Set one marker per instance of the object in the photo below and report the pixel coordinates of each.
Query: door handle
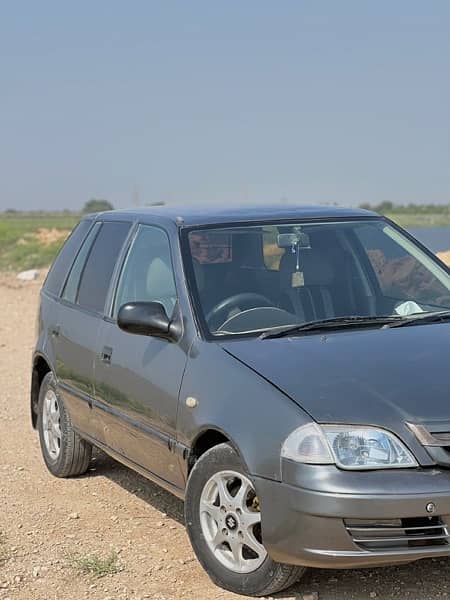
column 106, row 355
column 54, row 331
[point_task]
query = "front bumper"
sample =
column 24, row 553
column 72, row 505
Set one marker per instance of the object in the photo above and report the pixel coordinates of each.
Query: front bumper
column 333, row 518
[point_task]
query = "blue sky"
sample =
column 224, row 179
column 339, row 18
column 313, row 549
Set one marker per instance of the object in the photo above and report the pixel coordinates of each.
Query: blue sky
column 204, row 101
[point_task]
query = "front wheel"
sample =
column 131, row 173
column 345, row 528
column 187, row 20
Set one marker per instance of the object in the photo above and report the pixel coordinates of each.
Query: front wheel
column 223, row 521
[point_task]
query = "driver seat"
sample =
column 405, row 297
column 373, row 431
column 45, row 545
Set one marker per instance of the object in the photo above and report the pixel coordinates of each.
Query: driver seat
column 308, row 297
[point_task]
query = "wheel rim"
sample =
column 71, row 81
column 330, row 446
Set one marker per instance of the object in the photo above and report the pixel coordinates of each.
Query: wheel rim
column 51, row 424
column 231, row 521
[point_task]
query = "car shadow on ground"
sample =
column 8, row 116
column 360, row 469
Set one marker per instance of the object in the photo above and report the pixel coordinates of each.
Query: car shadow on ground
column 141, row 487
column 421, row 580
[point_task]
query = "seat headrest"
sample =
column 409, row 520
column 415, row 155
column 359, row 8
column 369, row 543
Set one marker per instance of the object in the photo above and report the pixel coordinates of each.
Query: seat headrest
column 316, row 269
column 160, row 281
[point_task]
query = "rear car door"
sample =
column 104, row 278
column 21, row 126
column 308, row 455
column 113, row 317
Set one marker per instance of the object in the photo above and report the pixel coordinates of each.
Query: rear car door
column 137, row 377
column 79, row 316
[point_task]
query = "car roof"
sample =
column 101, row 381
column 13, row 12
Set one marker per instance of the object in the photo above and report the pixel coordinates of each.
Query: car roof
column 188, row 215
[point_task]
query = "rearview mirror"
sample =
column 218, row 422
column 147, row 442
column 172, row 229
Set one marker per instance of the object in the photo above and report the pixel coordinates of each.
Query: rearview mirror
column 145, row 318
column 288, row 240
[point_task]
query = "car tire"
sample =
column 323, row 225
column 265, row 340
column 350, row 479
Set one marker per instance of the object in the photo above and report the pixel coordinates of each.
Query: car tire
column 65, row 453
column 222, row 517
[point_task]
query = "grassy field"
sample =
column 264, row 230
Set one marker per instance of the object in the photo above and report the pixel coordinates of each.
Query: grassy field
column 29, row 241
column 420, row 219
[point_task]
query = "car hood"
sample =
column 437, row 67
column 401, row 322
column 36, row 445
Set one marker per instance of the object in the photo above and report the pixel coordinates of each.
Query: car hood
column 373, row 377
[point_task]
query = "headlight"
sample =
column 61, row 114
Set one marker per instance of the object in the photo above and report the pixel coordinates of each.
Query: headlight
column 349, row 447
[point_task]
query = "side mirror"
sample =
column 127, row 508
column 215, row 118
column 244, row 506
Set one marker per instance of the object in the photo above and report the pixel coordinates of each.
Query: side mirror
column 145, row 318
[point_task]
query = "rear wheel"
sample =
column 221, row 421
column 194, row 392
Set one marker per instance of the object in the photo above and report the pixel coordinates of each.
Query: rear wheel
column 65, row 453
column 223, row 521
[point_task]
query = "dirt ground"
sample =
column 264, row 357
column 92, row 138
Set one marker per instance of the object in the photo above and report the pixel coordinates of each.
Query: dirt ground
column 48, row 523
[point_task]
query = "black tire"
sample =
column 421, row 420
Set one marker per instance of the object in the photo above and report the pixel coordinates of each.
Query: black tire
column 270, row 577
column 74, row 453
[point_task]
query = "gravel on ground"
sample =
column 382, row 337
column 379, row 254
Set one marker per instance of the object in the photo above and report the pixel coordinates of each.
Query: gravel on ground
column 49, row 526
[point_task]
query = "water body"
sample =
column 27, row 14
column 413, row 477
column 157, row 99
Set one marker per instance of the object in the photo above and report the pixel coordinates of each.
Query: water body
column 435, row 238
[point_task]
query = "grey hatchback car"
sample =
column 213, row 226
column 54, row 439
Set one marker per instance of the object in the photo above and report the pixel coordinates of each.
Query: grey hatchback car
column 283, row 370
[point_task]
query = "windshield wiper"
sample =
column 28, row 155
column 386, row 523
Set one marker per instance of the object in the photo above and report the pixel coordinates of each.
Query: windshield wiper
column 333, row 323
column 422, row 318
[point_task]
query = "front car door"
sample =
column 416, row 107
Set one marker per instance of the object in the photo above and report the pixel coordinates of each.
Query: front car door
column 137, row 377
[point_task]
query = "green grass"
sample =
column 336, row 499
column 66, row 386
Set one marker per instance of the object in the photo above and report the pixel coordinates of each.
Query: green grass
column 420, row 219
column 20, row 246
column 96, row 566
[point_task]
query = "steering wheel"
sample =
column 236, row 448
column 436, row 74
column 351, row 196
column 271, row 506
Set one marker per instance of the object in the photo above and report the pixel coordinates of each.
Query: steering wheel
column 220, row 313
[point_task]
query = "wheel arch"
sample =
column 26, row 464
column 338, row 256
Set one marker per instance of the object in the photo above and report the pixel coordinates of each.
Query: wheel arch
column 206, row 439
column 41, row 366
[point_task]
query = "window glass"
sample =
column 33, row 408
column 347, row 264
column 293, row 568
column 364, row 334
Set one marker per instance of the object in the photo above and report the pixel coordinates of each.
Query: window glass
column 71, row 287
column 402, row 269
column 313, row 271
column 100, row 264
column 211, row 247
column 147, row 275
column 271, row 251
column 63, row 261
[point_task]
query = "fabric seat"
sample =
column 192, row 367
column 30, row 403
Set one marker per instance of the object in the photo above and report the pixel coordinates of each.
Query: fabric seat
column 160, row 285
column 308, row 294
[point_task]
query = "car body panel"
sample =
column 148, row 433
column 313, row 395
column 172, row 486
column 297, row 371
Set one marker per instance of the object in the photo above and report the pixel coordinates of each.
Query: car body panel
column 307, row 527
column 75, row 344
column 383, row 377
column 250, row 411
column 136, row 398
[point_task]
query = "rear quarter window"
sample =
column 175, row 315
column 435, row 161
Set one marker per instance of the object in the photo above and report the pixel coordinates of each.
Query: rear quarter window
column 63, row 262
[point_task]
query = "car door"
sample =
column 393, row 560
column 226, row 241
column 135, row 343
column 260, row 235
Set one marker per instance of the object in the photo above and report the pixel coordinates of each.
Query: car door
column 80, row 314
column 137, row 377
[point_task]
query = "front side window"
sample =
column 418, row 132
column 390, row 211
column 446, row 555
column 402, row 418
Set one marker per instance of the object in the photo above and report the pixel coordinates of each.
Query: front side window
column 98, row 270
column 252, row 278
column 147, row 275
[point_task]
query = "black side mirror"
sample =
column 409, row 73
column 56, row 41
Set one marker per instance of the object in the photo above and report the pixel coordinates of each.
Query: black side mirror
column 146, row 318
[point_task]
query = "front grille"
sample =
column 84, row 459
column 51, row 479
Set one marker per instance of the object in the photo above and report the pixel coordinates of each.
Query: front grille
column 435, row 437
column 443, row 437
column 398, row 533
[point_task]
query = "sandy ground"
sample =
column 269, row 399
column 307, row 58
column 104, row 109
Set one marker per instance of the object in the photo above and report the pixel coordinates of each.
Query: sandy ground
column 45, row 521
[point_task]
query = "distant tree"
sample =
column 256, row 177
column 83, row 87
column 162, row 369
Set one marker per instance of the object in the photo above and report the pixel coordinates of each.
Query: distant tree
column 97, row 205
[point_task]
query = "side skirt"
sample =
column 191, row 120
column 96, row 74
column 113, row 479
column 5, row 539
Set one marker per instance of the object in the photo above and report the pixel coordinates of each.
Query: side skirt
column 176, row 491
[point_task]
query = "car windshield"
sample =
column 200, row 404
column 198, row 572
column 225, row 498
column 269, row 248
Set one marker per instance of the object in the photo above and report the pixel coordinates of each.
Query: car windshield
column 254, row 278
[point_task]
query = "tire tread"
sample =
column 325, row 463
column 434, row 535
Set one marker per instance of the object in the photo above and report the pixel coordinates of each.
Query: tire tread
column 75, row 455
